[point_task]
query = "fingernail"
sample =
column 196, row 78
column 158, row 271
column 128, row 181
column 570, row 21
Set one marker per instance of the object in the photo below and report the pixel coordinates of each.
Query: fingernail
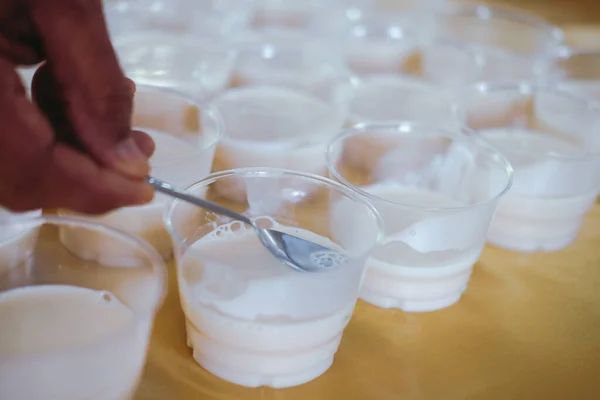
column 130, row 159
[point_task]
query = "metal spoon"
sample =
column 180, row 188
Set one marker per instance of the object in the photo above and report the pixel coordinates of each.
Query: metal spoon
column 297, row 253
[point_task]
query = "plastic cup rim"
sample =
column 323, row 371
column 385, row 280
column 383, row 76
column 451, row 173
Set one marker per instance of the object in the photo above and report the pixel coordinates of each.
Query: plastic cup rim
column 202, row 105
column 158, row 265
column 278, row 172
column 402, row 127
column 528, row 88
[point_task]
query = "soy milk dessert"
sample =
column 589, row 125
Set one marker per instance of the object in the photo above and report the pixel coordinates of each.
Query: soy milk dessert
column 405, row 278
column 236, row 329
column 91, row 320
column 436, row 191
column 251, row 319
column 185, row 135
column 554, row 148
column 96, row 340
column 543, row 212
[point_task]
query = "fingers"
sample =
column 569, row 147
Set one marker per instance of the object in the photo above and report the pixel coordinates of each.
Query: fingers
column 37, row 172
column 18, row 41
column 84, row 78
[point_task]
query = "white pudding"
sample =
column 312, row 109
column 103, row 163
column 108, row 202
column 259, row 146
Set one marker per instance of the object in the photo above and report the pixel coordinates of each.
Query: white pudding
column 69, row 343
column 427, row 258
column 255, row 322
column 552, row 191
column 176, row 161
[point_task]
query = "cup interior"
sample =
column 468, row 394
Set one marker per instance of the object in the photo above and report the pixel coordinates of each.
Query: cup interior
column 419, row 158
column 306, row 206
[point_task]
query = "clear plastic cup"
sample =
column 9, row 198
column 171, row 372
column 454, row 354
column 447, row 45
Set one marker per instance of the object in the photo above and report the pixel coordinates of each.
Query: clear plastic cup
column 436, row 191
column 399, row 45
column 181, row 61
column 216, row 19
column 578, row 72
column 252, row 320
column 14, row 242
column 72, row 328
column 186, row 133
column 509, row 45
column 552, row 139
column 386, row 50
column 290, row 98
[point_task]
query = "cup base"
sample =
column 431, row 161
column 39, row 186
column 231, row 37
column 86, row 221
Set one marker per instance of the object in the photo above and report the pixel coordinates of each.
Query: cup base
column 254, row 380
column 417, row 289
column 413, row 306
column 257, row 363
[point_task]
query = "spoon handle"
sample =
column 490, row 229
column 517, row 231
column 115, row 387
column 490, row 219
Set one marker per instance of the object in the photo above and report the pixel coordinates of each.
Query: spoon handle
column 172, row 191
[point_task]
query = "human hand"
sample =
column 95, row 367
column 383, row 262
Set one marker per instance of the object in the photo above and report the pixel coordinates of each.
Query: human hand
column 74, row 147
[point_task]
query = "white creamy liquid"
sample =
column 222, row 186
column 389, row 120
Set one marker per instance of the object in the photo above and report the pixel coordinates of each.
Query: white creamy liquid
column 398, row 275
column 551, row 193
column 269, row 126
column 175, row 161
column 255, row 322
column 68, row 343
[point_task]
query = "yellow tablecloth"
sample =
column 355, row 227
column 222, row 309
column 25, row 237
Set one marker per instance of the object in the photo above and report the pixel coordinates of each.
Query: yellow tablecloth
column 528, row 328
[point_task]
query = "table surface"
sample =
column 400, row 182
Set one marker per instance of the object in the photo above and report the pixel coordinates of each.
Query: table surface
column 528, row 326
